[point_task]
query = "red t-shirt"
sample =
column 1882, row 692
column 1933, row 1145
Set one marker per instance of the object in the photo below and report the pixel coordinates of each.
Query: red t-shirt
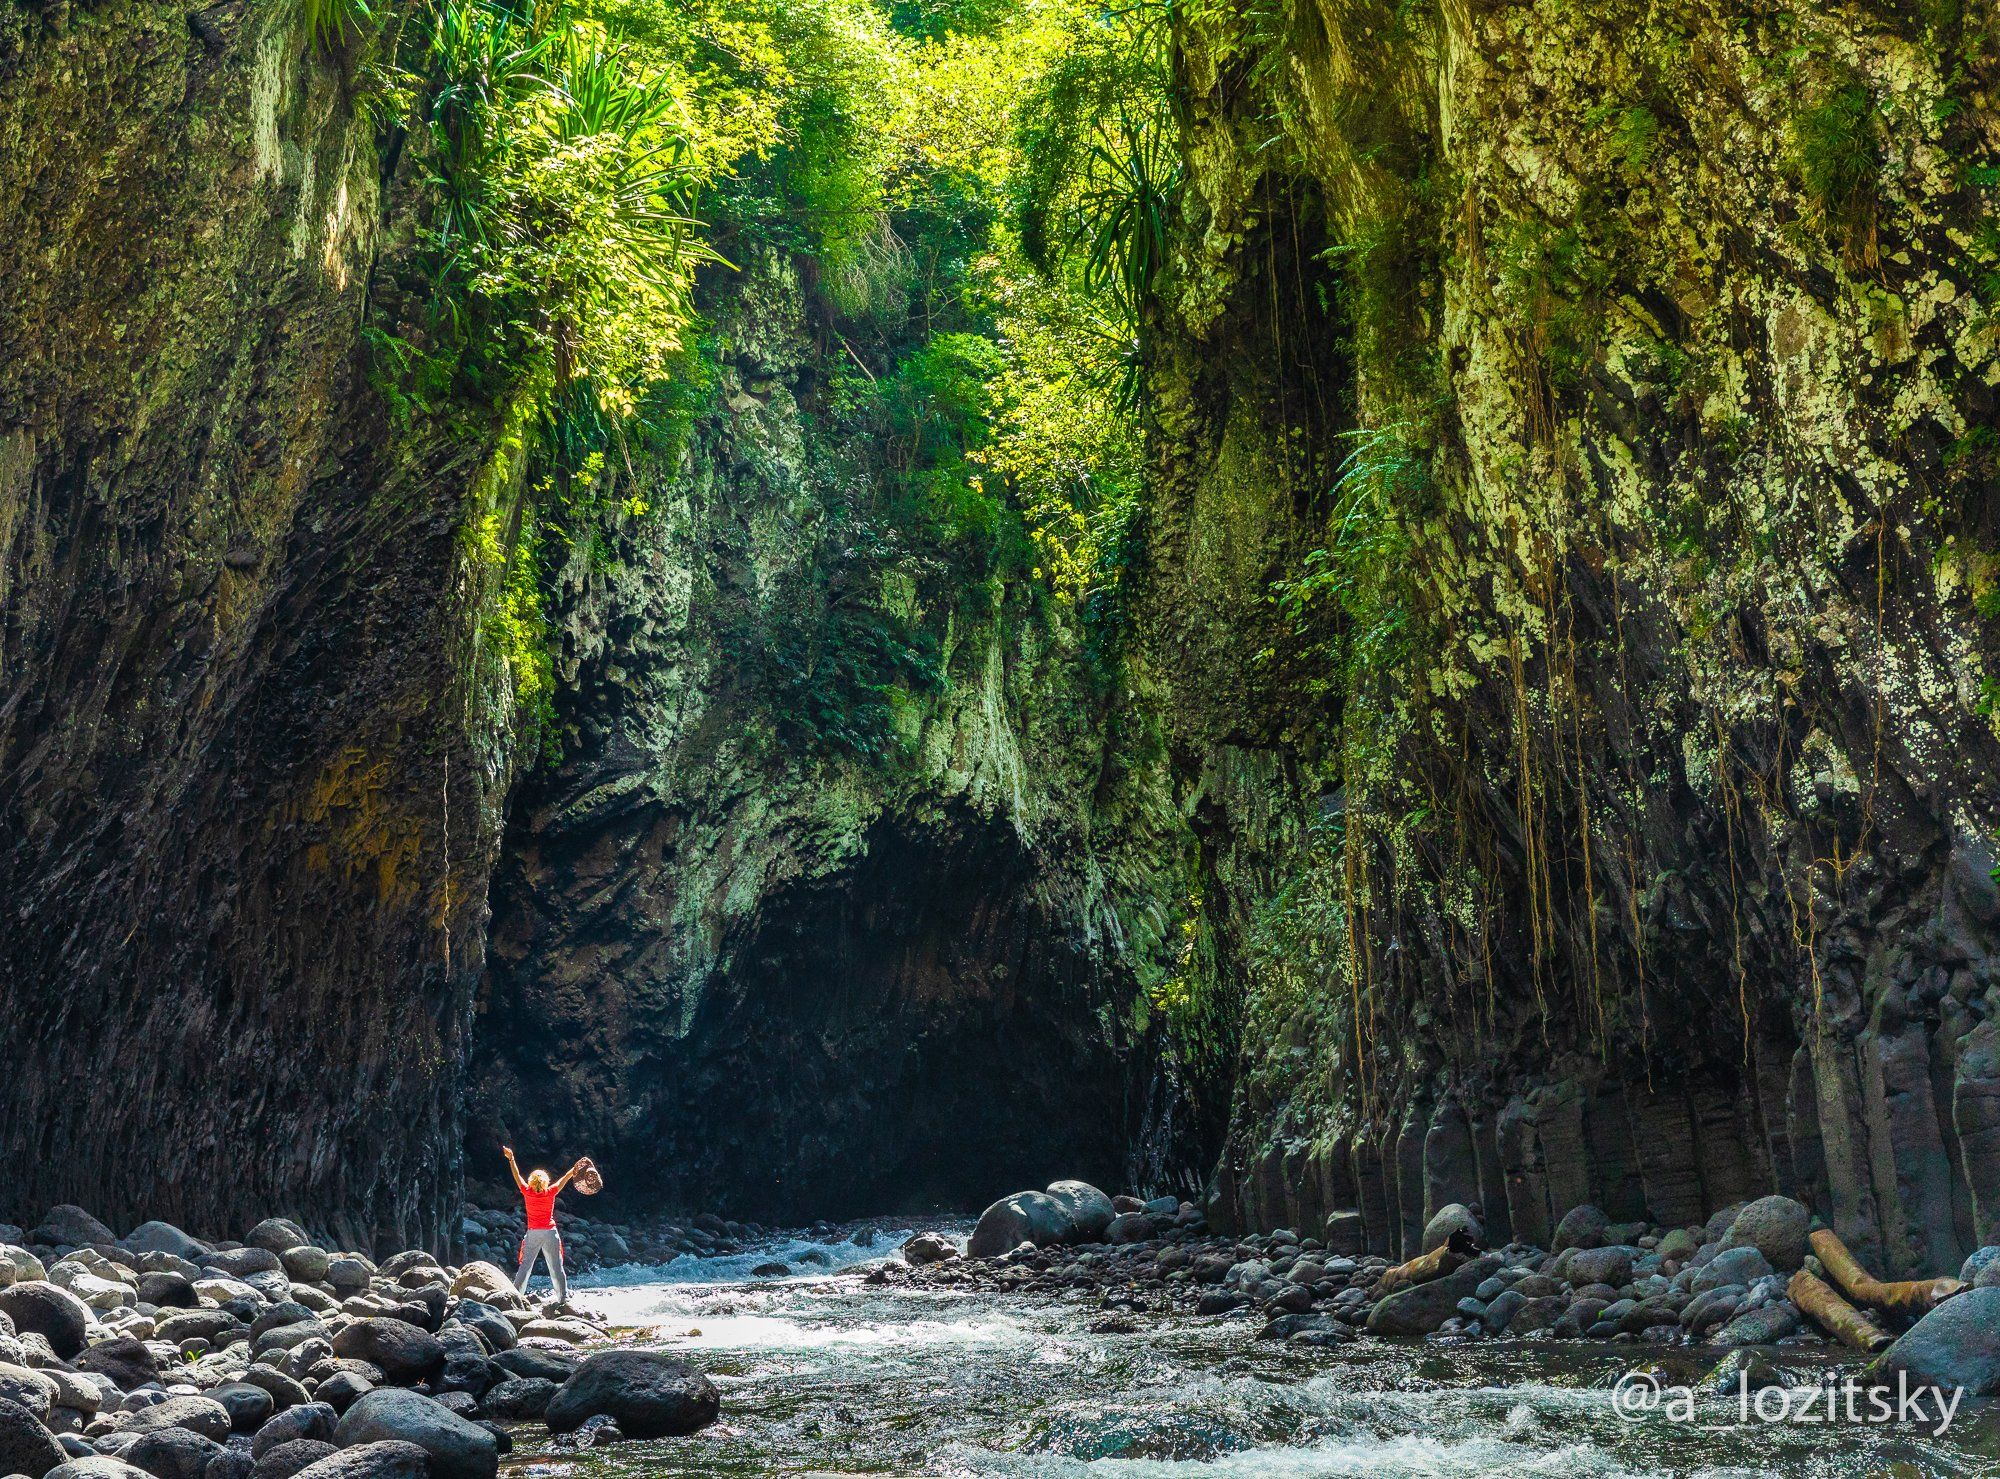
column 541, row 1208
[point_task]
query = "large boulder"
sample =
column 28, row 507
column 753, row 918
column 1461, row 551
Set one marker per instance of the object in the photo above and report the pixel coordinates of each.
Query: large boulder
column 308, row 1420
column 486, row 1282
column 126, row 1361
column 1452, row 1217
column 1025, row 1217
column 1955, row 1345
column 458, row 1449
column 56, row 1315
column 26, row 1447
column 164, row 1237
column 649, row 1394
column 404, row 1352
column 203, row 1415
column 277, row 1234
column 1610, row 1265
column 518, row 1399
column 71, row 1226
column 1744, row 1265
column 101, row 1467
column 393, row 1460
column 1581, row 1227
column 494, row 1327
column 31, row 1389
column 1421, row 1308
column 249, row 1407
column 1776, row 1227
column 172, row 1453
column 287, row 1459
column 928, row 1247
column 237, row 1262
column 1090, row 1211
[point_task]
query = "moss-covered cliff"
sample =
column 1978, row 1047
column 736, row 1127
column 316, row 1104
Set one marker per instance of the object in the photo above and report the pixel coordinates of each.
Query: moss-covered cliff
column 252, row 746
column 1616, row 818
column 848, row 885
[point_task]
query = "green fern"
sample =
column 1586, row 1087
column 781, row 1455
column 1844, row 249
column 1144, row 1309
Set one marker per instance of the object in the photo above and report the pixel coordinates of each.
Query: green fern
column 332, row 24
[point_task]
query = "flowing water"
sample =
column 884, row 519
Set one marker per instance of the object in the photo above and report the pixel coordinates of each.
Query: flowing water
column 823, row 1374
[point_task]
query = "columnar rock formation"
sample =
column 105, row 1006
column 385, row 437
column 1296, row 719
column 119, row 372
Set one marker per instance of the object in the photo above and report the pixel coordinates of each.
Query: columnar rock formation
column 1646, row 857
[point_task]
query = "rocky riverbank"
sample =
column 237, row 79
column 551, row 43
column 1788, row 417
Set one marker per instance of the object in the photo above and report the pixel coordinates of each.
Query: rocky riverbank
column 158, row 1355
column 1733, row 1283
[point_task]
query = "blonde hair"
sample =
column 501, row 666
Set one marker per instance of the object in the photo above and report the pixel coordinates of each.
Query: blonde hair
column 538, row 1179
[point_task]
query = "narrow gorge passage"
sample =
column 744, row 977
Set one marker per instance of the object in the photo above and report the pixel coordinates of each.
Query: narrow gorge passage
column 1195, row 737
column 913, row 1032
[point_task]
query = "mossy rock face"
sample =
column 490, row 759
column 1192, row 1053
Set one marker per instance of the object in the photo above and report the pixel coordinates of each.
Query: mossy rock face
column 1677, row 770
column 254, row 759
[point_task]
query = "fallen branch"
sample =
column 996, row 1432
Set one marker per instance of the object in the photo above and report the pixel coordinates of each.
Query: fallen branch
column 1835, row 1315
column 1911, row 1297
column 1441, row 1260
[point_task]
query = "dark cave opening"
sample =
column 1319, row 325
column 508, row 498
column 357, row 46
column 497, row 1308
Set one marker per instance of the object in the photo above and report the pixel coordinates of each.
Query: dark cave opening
column 924, row 1029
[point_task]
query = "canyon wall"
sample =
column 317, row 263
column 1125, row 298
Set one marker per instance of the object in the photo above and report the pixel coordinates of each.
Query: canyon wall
column 851, row 871
column 252, row 751
column 1613, row 817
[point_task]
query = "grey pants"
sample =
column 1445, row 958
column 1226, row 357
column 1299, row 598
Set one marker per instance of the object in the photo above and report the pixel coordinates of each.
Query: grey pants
column 545, row 1244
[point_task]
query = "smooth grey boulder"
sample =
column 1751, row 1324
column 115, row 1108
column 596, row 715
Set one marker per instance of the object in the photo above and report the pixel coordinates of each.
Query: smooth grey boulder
column 285, row 1391
column 29, row 1388
column 164, row 1237
column 518, row 1399
column 404, row 1352
column 1605, row 1265
column 306, row 1263
column 1743, row 1265
column 203, row 1415
column 26, row 1447
column 493, row 1326
column 230, row 1462
column 649, row 1394
column 277, row 1234
column 172, row 1453
column 287, row 1459
column 458, row 1449
column 235, row 1263
column 123, row 1360
column 1421, row 1308
column 343, row 1389
column 313, row 1420
column 371, row 1461
column 1089, row 1210
column 70, row 1226
column 1777, row 1228
column 39, row 1307
column 101, row 1467
column 1025, row 1217
column 1955, row 1345
column 1977, row 1263
column 1765, row 1325
column 250, row 1407
column 1452, row 1217
column 1581, row 1227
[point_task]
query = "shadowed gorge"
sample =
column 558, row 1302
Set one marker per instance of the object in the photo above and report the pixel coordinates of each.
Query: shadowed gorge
column 1357, row 606
column 904, row 1034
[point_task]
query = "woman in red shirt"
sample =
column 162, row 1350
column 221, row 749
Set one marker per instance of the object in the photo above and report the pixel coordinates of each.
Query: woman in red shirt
column 542, row 1240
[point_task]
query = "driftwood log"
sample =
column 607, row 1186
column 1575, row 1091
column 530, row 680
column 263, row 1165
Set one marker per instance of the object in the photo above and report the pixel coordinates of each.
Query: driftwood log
column 1912, row 1297
column 1822, row 1302
column 1447, row 1257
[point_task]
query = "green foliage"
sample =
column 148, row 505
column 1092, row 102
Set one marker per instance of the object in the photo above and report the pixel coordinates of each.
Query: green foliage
column 1836, row 154
column 331, row 25
column 1349, row 603
column 1125, row 213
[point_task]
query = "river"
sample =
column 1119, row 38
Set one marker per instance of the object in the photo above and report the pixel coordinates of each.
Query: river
column 824, row 1374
